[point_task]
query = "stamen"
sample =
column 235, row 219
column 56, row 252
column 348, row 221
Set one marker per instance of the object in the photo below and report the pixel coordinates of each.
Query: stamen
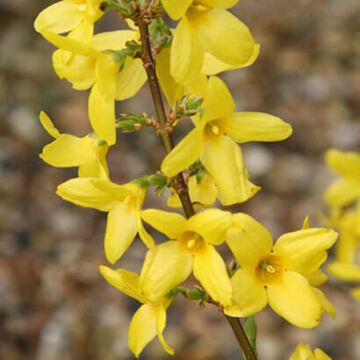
column 215, row 130
column 191, row 244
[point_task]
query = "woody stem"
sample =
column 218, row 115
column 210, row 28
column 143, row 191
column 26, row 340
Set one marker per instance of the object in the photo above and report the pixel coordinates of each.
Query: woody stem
column 179, row 184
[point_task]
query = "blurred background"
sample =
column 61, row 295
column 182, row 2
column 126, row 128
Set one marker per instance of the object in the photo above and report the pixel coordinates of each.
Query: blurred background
column 53, row 303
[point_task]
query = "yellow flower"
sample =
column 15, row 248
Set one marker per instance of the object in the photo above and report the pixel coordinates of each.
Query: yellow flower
column 122, row 202
column 214, row 141
column 67, row 15
column 303, row 352
column 150, row 319
column 202, row 192
column 281, row 275
column 191, row 248
column 88, row 153
column 347, row 189
column 208, row 39
column 83, row 60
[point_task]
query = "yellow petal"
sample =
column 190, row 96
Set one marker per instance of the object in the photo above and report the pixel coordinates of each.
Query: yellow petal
column 113, row 40
column 144, row 235
column 303, row 250
column 224, row 36
column 98, row 167
column 302, row 352
column 356, row 293
column 94, row 193
column 106, row 71
column 344, row 271
column 316, row 278
column 171, row 89
column 165, row 266
column 324, row 301
column 125, row 281
column 223, row 160
column 160, row 314
column 142, row 329
column 69, row 151
column 187, row 53
column 210, row 270
column 213, row 66
column 218, row 101
column 48, row 125
column 345, row 163
column 176, row 9
column 203, row 193
column 121, row 229
column 248, row 298
column 343, row 192
column 293, row 299
column 170, row 224
column 211, row 224
column 130, row 79
column 225, row 4
column 185, row 153
column 102, row 115
column 60, row 17
column 320, row 355
column 248, row 240
column 253, row 126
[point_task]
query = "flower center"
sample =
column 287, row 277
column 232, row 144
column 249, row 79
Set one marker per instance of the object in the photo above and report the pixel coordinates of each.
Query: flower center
column 192, row 242
column 213, row 128
column 269, row 269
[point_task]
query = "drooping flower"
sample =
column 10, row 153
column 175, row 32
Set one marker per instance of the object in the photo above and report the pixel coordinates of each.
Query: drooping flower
column 123, row 204
column 282, row 275
column 214, row 141
column 149, row 320
column 347, row 189
column 303, row 352
column 191, row 248
column 208, row 39
column 88, row 153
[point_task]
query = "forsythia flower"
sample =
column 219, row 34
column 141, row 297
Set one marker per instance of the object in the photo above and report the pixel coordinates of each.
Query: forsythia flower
column 206, row 30
column 150, row 319
column 67, row 15
column 122, row 202
column 214, row 141
column 347, row 189
column 191, row 248
column 280, row 275
column 303, row 352
column 90, row 151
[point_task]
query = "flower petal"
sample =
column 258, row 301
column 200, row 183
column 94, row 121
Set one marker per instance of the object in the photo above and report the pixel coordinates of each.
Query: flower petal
column 176, row 9
column 224, row 4
column 303, row 250
column 142, row 329
column 223, row 160
column 253, row 126
column 187, row 54
column 69, row 151
column 293, row 299
column 344, row 163
column 210, row 270
column 169, row 223
column 211, row 224
column 249, row 240
column 344, row 271
column 248, row 298
column 320, row 355
column 165, row 266
column 125, row 281
column 93, row 193
column 302, row 352
column 327, row 306
column 342, row 192
column 160, row 314
column 60, row 17
column 102, row 115
column 48, row 125
column 224, row 36
column 218, row 101
column 185, row 153
column 121, row 229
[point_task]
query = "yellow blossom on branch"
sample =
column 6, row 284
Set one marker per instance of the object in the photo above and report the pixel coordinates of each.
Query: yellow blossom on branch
column 303, row 352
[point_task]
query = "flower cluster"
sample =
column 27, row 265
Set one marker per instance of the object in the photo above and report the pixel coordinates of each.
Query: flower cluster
column 343, row 198
column 205, row 166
